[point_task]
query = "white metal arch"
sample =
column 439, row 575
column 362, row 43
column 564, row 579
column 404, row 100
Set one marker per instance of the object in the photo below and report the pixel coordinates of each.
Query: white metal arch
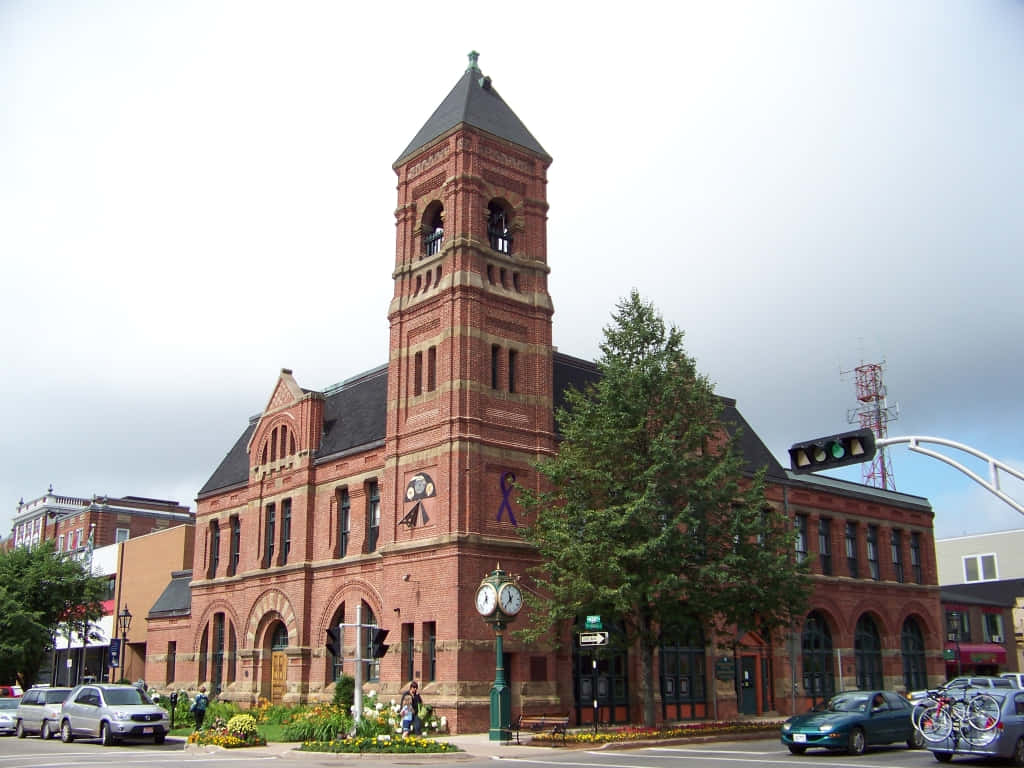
column 994, row 465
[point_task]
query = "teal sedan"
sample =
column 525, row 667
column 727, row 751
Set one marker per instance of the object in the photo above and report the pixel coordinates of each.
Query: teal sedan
column 852, row 721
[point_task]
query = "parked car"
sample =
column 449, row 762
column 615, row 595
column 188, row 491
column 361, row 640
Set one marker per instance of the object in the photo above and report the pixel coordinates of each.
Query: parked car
column 1016, row 677
column 976, row 681
column 8, row 706
column 851, row 721
column 1007, row 737
column 10, row 690
column 110, row 713
column 39, row 712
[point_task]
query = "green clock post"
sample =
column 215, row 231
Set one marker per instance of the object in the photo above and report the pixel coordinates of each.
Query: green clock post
column 498, row 601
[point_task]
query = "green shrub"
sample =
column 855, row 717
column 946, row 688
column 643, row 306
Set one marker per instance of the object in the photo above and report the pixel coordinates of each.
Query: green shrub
column 344, row 692
column 243, row 725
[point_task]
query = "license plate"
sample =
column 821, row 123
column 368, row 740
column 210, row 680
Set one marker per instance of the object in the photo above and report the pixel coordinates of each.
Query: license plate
column 147, row 730
column 799, row 738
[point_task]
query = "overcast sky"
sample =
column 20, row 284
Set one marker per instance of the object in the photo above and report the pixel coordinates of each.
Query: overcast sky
column 194, row 195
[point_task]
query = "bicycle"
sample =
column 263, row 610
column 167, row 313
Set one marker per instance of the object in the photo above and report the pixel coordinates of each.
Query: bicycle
column 972, row 718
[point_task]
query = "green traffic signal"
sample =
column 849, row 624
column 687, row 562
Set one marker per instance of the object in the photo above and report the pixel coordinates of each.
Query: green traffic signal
column 834, row 451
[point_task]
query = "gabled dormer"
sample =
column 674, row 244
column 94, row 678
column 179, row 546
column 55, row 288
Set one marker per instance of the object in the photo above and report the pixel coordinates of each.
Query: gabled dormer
column 288, row 431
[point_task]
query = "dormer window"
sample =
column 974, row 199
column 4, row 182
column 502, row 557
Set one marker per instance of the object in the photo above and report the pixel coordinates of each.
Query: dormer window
column 497, row 227
column 278, row 444
column 433, row 230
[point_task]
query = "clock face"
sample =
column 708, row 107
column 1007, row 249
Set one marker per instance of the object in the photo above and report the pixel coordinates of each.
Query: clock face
column 486, row 599
column 510, row 599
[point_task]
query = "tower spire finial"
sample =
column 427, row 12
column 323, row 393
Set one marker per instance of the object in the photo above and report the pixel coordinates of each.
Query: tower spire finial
column 473, row 56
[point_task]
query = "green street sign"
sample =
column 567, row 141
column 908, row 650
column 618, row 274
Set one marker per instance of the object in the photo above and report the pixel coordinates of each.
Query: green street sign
column 594, row 622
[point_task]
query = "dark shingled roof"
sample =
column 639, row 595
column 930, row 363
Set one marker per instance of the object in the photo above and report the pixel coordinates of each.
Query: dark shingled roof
column 474, row 101
column 176, row 599
column 355, row 420
column 1003, row 592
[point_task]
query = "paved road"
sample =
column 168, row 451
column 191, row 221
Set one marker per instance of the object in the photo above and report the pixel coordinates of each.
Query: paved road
column 34, row 753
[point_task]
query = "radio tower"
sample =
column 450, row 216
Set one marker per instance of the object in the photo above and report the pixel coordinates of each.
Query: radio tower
column 874, row 413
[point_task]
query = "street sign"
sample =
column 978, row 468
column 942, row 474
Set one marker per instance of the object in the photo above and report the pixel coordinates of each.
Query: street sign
column 594, row 622
column 593, row 638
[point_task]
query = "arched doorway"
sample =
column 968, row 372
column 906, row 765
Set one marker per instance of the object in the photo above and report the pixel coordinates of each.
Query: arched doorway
column 867, row 650
column 915, row 674
column 274, row 683
column 816, row 644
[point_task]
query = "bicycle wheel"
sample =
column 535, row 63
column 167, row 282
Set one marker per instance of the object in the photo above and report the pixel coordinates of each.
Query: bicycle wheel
column 982, row 712
column 976, row 737
column 935, row 724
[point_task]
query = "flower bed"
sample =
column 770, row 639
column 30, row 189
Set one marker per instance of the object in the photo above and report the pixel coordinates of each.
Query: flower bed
column 639, row 733
column 239, row 731
column 397, row 745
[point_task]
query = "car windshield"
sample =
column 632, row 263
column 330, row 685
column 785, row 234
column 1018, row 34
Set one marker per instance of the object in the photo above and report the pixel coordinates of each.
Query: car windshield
column 125, row 696
column 9, row 703
column 849, row 702
column 57, row 696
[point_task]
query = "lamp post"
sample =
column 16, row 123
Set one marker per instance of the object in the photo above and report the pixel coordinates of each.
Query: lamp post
column 124, row 623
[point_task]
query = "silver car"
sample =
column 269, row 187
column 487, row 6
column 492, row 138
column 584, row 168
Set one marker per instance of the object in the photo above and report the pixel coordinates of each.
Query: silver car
column 111, row 713
column 7, row 708
column 39, row 712
column 1005, row 740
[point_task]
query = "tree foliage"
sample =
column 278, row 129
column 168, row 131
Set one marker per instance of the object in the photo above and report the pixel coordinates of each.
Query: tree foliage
column 40, row 590
column 647, row 515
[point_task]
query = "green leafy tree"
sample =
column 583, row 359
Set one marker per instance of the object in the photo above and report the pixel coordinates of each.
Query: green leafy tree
column 41, row 591
column 646, row 513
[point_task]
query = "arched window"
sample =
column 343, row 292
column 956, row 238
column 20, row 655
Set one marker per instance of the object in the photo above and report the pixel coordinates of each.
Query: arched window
column 915, row 676
column 867, row 650
column 433, row 230
column 816, row 643
column 335, row 664
column 497, row 227
column 372, row 665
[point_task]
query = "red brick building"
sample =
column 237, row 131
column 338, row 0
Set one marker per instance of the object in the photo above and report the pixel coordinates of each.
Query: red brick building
column 389, row 491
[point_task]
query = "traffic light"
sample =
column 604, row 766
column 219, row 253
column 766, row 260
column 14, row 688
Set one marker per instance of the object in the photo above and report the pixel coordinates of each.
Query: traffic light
column 835, row 451
column 333, row 641
column 377, row 647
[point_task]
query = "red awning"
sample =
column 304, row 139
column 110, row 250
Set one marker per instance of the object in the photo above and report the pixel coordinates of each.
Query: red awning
column 979, row 653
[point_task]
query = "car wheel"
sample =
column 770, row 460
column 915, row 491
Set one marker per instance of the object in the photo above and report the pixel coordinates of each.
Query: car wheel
column 796, row 749
column 916, row 740
column 106, row 737
column 19, row 730
column 943, row 757
column 1018, row 752
column 44, row 731
column 160, row 738
column 857, row 742
column 65, row 732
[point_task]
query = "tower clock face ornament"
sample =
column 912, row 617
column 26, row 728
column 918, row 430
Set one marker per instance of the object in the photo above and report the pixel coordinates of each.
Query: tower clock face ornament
column 510, row 599
column 486, row 599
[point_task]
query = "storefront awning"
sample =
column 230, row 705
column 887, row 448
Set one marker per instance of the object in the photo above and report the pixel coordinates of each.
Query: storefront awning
column 978, row 653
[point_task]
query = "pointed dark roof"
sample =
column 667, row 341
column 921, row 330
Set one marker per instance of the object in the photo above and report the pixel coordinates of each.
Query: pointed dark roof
column 474, row 101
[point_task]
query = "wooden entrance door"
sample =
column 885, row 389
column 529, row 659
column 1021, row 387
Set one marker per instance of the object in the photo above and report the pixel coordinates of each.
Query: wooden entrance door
column 278, row 675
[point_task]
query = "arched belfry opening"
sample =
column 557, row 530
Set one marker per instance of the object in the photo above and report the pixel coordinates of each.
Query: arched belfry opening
column 433, row 229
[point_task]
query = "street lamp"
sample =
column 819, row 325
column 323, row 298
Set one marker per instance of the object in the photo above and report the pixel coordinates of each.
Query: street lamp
column 124, row 623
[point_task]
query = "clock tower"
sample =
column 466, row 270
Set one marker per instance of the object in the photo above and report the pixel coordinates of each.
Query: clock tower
column 470, row 366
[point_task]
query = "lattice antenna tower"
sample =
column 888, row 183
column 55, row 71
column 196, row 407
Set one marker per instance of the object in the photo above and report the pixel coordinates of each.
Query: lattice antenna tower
column 874, row 413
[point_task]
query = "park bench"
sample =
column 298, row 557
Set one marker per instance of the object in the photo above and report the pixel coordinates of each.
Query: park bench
column 554, row 723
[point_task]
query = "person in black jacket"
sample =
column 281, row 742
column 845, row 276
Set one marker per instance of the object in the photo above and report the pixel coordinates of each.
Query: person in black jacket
column 416, row 701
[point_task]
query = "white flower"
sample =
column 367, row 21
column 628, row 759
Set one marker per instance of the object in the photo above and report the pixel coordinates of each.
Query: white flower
column 379, row 706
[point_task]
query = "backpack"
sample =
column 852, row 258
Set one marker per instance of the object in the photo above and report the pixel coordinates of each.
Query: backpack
column 199, row 705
